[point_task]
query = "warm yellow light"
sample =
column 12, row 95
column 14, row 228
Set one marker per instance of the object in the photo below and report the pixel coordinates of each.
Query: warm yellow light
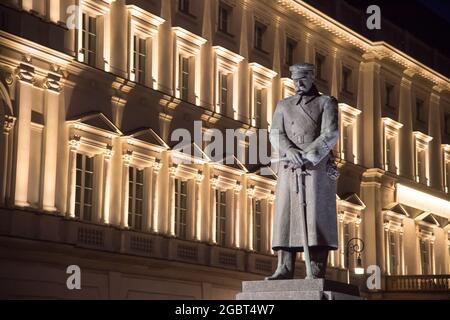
column 359, row 270
column 423, row 201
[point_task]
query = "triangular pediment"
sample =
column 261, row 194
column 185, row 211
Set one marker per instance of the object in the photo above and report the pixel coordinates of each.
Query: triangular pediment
column 192, row 150
column 353, row 199
column 149, row 136
column 99, row 121
column 398, row 209
column 233, row 162
column 432, row 219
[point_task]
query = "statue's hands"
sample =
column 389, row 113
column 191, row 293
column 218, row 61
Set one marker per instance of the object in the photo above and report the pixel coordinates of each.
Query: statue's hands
column 295, row 156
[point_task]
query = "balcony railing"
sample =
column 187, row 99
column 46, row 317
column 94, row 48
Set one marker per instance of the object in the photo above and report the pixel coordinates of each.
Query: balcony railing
column 418, row 283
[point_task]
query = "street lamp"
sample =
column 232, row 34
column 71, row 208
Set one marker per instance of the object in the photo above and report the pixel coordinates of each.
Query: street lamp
column 354, row 246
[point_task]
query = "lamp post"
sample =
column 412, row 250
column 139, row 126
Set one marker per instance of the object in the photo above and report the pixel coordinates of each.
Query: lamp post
column 354, row 246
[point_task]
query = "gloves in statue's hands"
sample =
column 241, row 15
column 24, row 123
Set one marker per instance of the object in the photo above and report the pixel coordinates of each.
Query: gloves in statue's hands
column 295, row 157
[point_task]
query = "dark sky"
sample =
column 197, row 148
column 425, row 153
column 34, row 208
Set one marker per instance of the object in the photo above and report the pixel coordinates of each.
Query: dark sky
column 439, row 7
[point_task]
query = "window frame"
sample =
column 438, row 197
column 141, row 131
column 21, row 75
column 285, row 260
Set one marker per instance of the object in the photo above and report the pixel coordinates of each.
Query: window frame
column 221, row 218
column 80, row 188
column 181, row 190
column 133, row 199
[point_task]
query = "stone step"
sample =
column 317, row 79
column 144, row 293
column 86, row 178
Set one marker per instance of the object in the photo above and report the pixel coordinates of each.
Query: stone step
column 299, row 285
column 296, row 295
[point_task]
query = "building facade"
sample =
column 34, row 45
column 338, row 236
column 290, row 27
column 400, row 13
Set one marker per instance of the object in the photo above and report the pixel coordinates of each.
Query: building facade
column 92, row 91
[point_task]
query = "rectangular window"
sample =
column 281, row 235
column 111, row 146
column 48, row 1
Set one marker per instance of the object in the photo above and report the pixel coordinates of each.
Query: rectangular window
column 290, row 51
column 223, row 85
column 184, row 78
column 89, row 39
column 221, row 217
column 390, row 155
column 258, row 107
column 347, row 80
column 183, row 6
column 421, row 166
column 84, row 187
column 140, row 55
column 320, row 66
column 180, row 208
column 346, row 239
column 257, row 225
column 224, row 17
column 447, row 123
column 393, row 259
column 135, row 198
column 420, row 111
column 260, row 30
column 425, row 257
column 389, row 96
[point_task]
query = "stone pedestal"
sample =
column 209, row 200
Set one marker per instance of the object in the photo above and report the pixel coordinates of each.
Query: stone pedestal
column 298, row 289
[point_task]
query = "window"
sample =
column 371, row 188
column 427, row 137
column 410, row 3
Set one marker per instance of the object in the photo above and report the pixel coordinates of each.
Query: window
column 290, row 51
column 346, row 141
column 258, row 107
column 421, row 166
column 221, row 197
column 447, row 123
column 257, row 228
column 140, row 55
column 89, row 39
column 223, row 85
column 135, row 198
column 260, row 30
column 183, row 6
column 180, row 208
column 320, row 66
column 393, row 258
column 346, row 239
column 84, row 187
column 184, row 78
column 420, row 111
column 389, row 96
column 425, row 256
column 390, row 154
column 346, row 80
column 224, row 17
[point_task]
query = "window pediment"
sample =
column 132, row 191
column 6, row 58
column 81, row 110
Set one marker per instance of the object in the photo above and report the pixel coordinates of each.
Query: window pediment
column 187, row 42
column 96, row 123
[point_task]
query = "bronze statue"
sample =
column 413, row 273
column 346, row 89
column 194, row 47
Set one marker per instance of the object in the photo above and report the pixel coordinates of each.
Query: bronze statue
column 304, row 132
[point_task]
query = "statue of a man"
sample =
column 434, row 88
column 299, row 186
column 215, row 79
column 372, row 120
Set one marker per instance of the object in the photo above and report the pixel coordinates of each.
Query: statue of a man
column 304, row 131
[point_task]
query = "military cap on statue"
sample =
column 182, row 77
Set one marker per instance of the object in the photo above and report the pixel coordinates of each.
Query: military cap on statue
column 300, row 70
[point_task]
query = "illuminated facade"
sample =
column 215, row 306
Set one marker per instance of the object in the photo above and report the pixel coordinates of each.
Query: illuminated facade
column 89, row 175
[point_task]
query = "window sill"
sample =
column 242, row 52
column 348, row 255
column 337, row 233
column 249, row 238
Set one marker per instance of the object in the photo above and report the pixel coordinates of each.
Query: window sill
column 225, row 33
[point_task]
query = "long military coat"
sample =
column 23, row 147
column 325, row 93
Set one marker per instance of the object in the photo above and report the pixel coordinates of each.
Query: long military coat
column 309, row 123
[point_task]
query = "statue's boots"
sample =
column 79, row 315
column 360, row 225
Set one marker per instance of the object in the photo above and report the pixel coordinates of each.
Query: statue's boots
column 319, row 257
column 286, row 266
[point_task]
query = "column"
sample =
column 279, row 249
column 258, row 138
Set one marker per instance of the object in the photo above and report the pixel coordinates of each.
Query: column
column 155, row 196
column 237, row 219
column 402, row 252
column 51, row 108
column 198, row 207
column 434, row 130
column 74, row 144
column 166, row 48
column 341, row 240
column 335, row 73
column 309, row 49
column 370, row 104
column 106, row 183
column 5, row 169
column 387, row 256
column 25, row 94
column 214, row 184
column 250, row 194
column 170, row 228
column 126, row 158
column 119, row 42
column 405, row 135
